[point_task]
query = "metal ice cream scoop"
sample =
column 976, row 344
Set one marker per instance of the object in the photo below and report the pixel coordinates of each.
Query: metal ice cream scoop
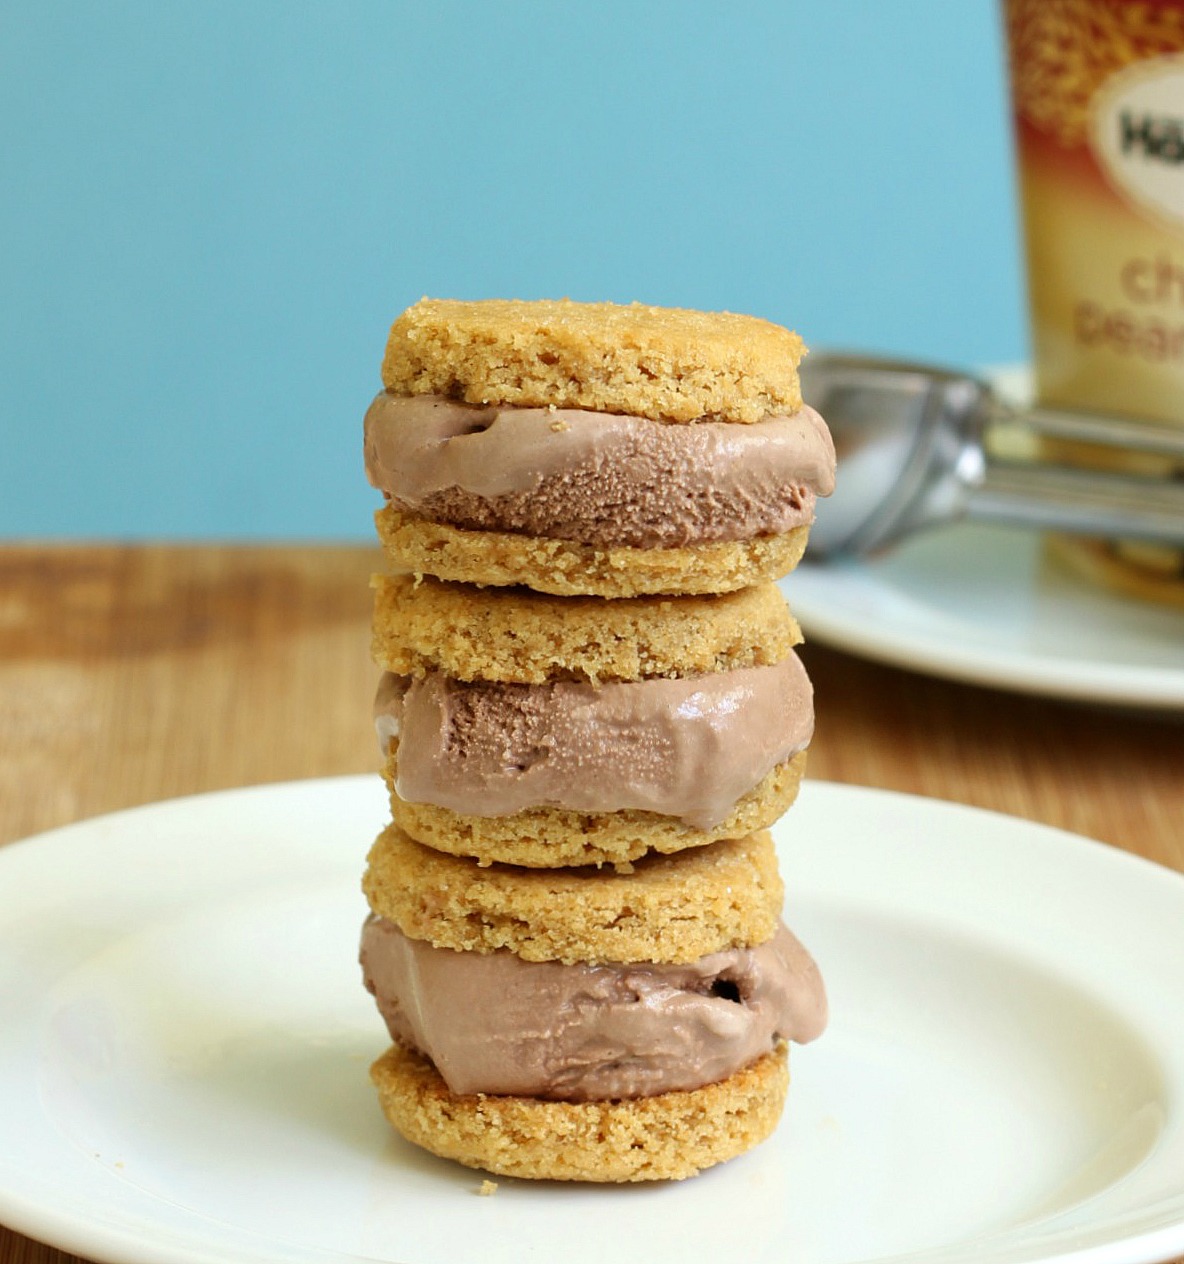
column 914, row 451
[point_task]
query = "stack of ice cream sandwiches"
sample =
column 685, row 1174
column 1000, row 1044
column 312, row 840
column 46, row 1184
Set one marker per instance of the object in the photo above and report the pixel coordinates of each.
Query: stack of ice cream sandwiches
column 590, row 713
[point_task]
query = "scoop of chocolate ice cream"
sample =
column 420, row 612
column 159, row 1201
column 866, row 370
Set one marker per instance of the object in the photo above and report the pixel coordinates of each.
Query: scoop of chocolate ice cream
column 597, row 478
column 493, row 1023
column 688, row 748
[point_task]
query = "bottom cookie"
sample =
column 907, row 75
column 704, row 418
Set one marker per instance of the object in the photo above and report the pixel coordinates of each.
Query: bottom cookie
column 550, row 838
column 566, row 568
column 1145, row 572
column 667, row 1137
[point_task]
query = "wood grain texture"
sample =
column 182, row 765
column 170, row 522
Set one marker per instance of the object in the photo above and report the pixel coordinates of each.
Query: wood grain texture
column 131, row 674
column 1111, row 775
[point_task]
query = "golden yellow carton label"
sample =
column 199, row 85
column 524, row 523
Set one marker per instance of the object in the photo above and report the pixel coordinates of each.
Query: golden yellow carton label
column 1098, row 92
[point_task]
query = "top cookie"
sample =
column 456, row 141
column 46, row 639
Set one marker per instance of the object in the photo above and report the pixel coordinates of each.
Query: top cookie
column 513, row 634
column 664, row 363
column 669, row 908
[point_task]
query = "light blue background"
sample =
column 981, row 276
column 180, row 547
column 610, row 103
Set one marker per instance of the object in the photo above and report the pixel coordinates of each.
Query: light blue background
column 210, row 212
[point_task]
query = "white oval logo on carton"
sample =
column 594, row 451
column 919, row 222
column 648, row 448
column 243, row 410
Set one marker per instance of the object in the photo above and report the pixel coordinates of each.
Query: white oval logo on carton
column 1137, row 133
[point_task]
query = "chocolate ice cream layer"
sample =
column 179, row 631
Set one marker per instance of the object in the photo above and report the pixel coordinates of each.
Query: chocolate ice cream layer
column 597, row 478
column 493, row 1023
column 688, row 748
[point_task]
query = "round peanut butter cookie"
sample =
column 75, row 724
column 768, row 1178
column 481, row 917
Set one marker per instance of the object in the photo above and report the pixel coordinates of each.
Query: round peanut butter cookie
column 667, row 364
column 669, row 908
column 666, row 1137
column 1141, row 569
column 1145, row 572
column 567, row 568
column 542, row 838
column 519, row 635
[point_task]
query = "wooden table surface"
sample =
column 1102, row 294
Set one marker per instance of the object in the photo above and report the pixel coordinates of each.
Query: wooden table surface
column 129, row 674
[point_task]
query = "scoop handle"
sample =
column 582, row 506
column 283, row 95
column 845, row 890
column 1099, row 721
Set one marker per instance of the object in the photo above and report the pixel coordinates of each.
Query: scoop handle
column 1086, row 502
column 917, row 448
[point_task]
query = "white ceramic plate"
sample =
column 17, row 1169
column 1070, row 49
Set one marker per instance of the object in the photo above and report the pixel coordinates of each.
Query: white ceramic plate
column 184, row 1046
column 982, row 604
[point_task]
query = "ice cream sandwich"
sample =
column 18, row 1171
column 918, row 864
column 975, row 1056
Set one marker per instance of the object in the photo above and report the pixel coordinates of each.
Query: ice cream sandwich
column 590, row 709
column 594, row 448
column 584, row 1025
column 549, row 731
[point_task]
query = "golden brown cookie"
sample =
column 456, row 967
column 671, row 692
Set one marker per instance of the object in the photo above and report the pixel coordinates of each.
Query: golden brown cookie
column 518, row 635
column 1142, row 571
column 670, row 908
column 566, row 568
column 664, row 363
column 555, row 837
column 666, row 1137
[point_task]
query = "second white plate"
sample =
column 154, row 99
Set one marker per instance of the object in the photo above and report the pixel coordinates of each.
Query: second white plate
column 982, row 604
column 185, row 1038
